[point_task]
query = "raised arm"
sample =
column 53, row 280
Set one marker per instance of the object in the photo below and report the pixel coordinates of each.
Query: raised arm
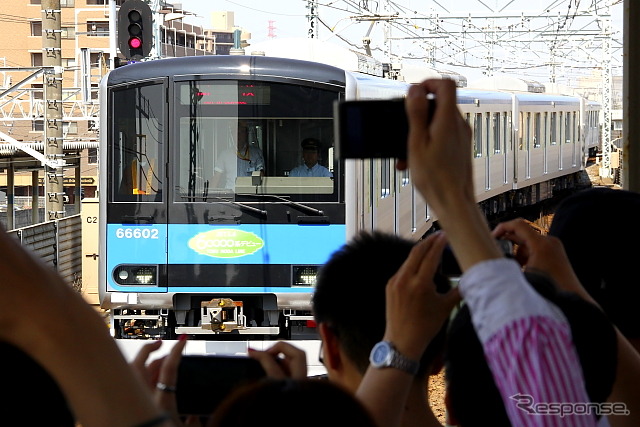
column 89, row 368
column 546, row 255
column 518, row 329
column 415, row 313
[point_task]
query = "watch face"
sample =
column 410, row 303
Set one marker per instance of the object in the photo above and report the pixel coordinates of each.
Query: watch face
column 380, row 353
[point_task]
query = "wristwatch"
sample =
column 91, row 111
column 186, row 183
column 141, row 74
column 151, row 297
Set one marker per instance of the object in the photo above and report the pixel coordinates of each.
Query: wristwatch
column 385, row 355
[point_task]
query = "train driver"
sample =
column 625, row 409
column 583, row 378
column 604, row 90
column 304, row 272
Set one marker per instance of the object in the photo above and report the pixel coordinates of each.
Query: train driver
column 310, row 167
column 242, row 160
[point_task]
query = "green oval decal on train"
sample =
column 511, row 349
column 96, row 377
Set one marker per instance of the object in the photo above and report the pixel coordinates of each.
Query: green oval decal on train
column 226, row 243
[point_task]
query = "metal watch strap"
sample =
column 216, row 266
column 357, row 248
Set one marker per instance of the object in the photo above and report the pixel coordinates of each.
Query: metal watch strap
column 403, row 363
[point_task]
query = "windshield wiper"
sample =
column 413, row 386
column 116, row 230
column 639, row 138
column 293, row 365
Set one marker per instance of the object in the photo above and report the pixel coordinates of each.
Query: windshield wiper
column 289, row 202
column 241, row 205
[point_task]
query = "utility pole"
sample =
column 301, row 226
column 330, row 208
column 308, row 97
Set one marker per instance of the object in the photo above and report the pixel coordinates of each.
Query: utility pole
column 312, row 17
column 53, row 114
column 607, row 103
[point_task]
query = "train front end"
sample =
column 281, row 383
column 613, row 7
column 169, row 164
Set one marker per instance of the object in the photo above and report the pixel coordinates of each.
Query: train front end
column 214, row 216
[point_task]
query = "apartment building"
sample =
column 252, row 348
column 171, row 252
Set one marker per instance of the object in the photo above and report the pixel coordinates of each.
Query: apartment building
column 86, row 51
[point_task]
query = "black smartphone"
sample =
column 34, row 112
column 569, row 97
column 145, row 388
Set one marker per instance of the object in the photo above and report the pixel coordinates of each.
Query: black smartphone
column 205, row 380
column 371, row 129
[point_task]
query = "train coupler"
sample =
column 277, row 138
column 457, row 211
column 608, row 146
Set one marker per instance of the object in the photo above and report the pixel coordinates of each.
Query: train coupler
column 222, row 315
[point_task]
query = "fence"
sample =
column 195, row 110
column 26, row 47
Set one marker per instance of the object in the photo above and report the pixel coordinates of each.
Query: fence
column 59, row 244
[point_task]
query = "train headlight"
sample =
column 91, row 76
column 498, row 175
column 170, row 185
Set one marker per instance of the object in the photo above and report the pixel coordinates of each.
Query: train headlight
column 305, row 275
column 145, row 275
column 136, row 275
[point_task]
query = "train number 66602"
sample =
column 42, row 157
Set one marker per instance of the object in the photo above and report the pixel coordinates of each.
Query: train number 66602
column 137, row 233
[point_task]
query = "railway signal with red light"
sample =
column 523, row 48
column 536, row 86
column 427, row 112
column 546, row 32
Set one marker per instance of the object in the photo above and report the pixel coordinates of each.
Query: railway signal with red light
column 135, row 37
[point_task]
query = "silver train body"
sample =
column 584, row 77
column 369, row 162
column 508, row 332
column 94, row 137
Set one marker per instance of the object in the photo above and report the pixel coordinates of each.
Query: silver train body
column 525, row 146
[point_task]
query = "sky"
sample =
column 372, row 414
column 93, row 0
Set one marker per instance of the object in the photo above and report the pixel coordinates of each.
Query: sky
column 465, row 54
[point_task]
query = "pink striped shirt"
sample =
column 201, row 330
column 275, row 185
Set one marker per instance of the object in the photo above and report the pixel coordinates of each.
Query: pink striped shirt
column 528, row 346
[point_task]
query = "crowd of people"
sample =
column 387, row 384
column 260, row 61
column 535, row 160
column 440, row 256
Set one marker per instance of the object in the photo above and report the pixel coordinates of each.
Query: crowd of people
column 533, row 340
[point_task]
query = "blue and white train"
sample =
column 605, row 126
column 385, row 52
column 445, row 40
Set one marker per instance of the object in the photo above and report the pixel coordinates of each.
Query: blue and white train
column 180, row 253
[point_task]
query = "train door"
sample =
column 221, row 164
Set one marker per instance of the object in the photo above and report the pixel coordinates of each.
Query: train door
column 136, row 223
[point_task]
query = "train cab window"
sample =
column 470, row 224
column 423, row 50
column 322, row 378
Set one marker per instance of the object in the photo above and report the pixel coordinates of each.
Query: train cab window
column 138, row 160
column 244, row 138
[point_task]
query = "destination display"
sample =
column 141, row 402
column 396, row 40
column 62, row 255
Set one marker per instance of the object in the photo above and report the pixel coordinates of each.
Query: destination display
column 226, row 93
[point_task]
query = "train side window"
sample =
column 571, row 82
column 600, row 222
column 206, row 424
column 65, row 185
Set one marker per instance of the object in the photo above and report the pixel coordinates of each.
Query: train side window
column 520, row 130
column 536, row 130
column 545, row 133
column 404, row 178
column 477, row 135
column 488, row 131
column 385, row 178
column 554, row 128
column 506, row 131
column 567, row 127
column 497, row 131
column 528, row 133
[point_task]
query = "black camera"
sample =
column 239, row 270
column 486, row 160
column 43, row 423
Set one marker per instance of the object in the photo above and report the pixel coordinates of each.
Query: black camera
column 371, row 129
column 366, row 129
column 204, row 381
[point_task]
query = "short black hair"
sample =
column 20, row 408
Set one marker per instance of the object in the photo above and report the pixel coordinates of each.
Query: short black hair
column 33, row 396
column 350, row 295
column 595, row 226
column 470, row 385
column 248, row 405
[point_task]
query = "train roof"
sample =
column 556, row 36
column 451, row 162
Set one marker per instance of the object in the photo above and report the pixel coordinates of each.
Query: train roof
column 508, row 83
column 321, row 52
column 469, row 96
column 236, row 66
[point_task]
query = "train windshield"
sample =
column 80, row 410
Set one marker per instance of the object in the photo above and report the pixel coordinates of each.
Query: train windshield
column 243, row 137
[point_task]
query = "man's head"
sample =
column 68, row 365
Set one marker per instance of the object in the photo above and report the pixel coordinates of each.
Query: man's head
column 349, row 304
column 243, row 136
column 611, row 279
column 310, row 151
